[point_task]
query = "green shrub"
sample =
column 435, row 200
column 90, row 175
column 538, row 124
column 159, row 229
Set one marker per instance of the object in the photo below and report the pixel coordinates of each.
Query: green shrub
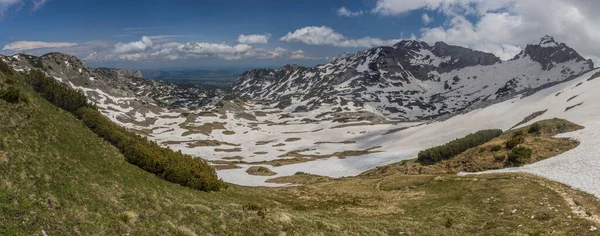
column 515, row 141
column 9, row 80
column 449, row 223
column 147, row 155
column 11, row 94
column 519, row 156
column 169, row 165
column 535, row 129
column 57, row 93
column 496, row 148
column 6, row 69
column 453, row 148
column 499, row 158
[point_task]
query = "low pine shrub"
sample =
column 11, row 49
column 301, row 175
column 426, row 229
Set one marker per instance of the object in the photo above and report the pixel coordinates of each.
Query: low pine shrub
column 519, row 156
column 147, row 155
column 517, row 138
column 453, row 148
column 11, row 94
column 535, row 129
column 496, row 148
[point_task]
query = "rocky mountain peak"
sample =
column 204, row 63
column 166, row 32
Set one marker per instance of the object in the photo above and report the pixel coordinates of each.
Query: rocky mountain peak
column 414, row 80
column 548, row 53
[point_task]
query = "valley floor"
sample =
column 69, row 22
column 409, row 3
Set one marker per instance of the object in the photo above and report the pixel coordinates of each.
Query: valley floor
column 58, row 177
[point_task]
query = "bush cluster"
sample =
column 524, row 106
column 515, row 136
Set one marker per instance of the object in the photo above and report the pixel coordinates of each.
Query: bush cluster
column 58, row 94
column 11, row 94
column 515, row 140
column 496, row 148
column 536, row 128
column 518, row 156
column 6, row 69
column 165, row 163
column 453, row 148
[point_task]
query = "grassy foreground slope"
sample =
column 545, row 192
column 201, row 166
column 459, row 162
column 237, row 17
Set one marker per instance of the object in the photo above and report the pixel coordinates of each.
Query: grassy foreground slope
column 57, row 176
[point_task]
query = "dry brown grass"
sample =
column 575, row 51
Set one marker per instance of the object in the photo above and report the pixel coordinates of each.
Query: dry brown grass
column 228, row 149
column 482, row 158
column 300, row 178
column 206, row 128
column 260, row 170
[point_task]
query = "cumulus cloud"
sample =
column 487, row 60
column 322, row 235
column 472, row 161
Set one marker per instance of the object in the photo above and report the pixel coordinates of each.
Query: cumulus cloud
column 137, row 46
column 323, row 35
column 17, row 5
column 37, row 4
column 254, row 38
column 7, row 4
column 172, row 51
column 504, row 26
column 32, row 45
column 343, row 11
column 426, row 19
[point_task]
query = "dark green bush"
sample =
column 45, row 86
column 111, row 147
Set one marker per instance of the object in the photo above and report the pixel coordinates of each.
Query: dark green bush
column 11, row 94
column 499, row 158
column 515, row 141
column 149, row 156
column 57, row 93
column 496, row 148
column 453, row 148
column 6, row 69
column 535, row 129
column 518, row 156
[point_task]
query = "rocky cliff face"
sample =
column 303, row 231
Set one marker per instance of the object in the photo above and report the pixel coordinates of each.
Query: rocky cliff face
column 413, row 80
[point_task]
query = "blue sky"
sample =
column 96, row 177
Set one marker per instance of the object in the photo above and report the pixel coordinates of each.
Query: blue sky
column 208, row 34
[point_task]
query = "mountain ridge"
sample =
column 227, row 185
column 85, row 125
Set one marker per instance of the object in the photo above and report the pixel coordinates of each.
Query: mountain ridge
column 413, row 80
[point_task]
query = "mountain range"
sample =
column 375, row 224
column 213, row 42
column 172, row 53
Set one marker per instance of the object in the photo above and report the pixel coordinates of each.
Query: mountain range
column 413, row 80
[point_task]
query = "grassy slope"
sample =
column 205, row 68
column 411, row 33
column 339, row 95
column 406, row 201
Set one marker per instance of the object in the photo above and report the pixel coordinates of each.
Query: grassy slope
column 58, row 176
column 483, row 157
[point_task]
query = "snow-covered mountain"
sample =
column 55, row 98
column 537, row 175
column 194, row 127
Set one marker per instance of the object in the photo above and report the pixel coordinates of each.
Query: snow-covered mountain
column 118, row 93
column 413, row 80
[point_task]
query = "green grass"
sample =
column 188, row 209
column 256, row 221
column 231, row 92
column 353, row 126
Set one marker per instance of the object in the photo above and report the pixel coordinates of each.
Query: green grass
column 58, row 176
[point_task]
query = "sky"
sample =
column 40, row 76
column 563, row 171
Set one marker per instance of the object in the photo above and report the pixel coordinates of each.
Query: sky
column 167, row 34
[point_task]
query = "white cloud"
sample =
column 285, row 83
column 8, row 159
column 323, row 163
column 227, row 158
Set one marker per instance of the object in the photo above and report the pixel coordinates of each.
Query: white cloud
column 343, row 11
column 17, row 5
column 426, row 19
column 165, row 38
column 254, row 38
column 7, row 4
column 323, row 35
column 138, row 46
column 37, row 4
column 31, row 45
column 503, row 26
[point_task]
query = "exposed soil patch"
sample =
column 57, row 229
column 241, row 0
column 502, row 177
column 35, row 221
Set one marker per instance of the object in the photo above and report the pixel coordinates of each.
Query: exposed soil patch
column 239, row 158
column 228, row 132
column 260, row 171
column 228, row 150
column 201, row 143
column 530, row 117
column 260, row 143
column 341, row 142
column 593, row 77
column 300, row 178
column 292, row 139
column 205, row 128
column 571, row 107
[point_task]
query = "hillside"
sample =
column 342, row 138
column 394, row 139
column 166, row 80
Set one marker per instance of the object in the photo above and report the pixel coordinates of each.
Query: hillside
column 58, row 177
